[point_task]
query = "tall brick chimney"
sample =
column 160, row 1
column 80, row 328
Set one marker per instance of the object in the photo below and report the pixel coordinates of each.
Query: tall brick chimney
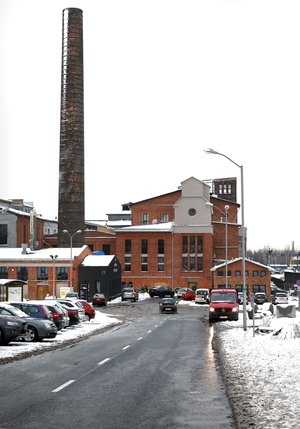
column 71, row 207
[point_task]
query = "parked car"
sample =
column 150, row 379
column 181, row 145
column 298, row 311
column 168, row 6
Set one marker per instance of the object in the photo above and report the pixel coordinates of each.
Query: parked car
column 99, row 299
column 161, row 292
column 74, row 304
column 37, row 329
column 88, row 308
column 73, row 314
column 223, row 304
column 57, row 313
column 128, row 293
column 260, row 298
column 181, row 291
column 11, row 327
column 202, row 296
column 280, row 298
column 33, row 309
column 168, row 305
column 190, row 295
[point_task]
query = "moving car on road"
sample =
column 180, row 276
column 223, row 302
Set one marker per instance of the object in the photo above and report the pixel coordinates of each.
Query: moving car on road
column 223, row 305
column 168, row 305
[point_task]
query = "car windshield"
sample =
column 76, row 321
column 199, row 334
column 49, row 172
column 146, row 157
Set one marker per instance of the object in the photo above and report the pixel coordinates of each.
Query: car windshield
column 128, row 289
column 223, row 297
column 13, row 310
column 201, row 292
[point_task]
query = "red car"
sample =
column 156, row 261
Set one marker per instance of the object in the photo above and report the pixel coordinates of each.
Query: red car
column 189, row 295
column 88, row 308
column 99, row 299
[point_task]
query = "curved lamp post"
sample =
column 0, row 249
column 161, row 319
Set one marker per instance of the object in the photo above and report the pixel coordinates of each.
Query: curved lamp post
column 214, row 152
column 65, row 231
column 226, row 208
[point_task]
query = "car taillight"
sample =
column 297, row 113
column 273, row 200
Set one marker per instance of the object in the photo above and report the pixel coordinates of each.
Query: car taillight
column 73, row 313
column 55, row 315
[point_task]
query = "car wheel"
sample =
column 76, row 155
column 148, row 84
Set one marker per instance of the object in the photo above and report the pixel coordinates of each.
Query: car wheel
column 30, row 335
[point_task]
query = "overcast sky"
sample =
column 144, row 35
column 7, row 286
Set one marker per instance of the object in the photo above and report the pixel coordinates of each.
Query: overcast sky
column 163, row 81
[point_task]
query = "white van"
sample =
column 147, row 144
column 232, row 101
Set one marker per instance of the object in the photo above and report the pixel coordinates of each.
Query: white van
column 202, row 296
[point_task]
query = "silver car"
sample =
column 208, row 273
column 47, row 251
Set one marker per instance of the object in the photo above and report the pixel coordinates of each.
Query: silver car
column 128, row 293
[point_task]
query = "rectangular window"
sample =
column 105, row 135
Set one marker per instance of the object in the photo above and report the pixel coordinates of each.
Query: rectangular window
column 184, row 263
column 192, row 244
column 220, row 273
column 127, row 246
column 161, row 255
column 161, row 247
column 161, row 263
column 42, row 273
column 3, row 234
column 164, row 217
column 3, row 273
column 192, row 263
column 184, row 245
column 144, row 247
column 62, row 273
column 144, row 219
column 229, row 273
column 199, row 245
column 144, row 263
column 238, row 273
column 106, row 249
column 255, row 273
column 144, row 255
column 127, row 263
column 259, row 288
column 263, row 274
column 22, row 274
column 199, row 263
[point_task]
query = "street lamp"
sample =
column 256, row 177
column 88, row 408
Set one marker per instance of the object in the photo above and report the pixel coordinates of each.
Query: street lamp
column 226, row 237
column 214, row 152
column 53, row 257
column 71, row 256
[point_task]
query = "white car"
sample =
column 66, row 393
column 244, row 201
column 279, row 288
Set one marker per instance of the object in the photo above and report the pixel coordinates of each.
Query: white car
column 281, row 298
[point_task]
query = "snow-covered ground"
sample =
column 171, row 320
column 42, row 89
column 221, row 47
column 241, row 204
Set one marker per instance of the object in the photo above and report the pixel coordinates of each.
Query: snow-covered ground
column 262, row 370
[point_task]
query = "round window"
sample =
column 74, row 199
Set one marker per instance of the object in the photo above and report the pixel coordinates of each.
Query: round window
column 192, row 212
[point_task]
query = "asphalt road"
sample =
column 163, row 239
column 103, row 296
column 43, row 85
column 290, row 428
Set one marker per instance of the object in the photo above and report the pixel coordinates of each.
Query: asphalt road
column 154, row 371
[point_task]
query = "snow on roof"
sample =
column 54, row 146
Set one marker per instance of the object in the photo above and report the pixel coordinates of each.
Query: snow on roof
column 61, row 252
column 120, row 222
column 166, row 226
column 97, row 260
column 232, row 261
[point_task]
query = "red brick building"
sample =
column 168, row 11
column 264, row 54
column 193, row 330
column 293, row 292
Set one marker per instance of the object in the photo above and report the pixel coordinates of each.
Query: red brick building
column 175, row 238
column 258, row 277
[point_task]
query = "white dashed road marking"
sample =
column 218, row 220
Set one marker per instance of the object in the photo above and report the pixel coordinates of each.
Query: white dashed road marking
column 63, row 386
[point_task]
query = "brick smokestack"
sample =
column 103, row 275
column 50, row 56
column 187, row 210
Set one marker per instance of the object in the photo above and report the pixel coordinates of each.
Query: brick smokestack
column 71, row 208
